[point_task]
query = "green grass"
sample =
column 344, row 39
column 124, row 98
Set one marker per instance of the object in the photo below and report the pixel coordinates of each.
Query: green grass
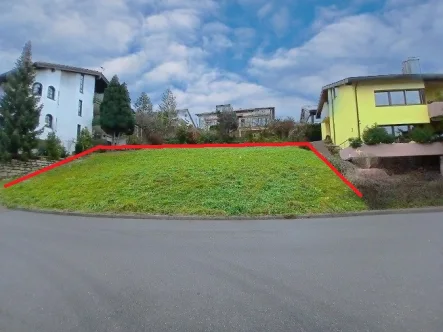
column 217, row 182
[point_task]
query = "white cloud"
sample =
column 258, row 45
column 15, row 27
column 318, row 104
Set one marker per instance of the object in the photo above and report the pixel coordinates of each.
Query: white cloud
column 265, row 10
column 154, row 44
column 280, row 21
column 355, row 45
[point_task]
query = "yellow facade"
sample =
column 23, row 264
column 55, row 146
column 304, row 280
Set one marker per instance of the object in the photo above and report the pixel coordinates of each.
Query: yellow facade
column 354, row 109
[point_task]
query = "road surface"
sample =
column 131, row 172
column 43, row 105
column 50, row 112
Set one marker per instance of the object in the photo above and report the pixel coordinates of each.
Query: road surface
column 379, row 273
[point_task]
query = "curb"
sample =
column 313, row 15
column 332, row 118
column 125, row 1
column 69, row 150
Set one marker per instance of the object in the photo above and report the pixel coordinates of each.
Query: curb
column 277, row 217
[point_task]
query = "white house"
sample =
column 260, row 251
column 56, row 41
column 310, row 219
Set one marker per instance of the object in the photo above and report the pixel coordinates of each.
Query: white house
column 69, row 95
column 185, row 117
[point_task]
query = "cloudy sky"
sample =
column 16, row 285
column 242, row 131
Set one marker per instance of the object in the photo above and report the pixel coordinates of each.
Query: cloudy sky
column 250, row 53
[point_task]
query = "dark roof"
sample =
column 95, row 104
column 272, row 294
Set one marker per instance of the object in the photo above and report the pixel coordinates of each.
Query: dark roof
column 72, row 69
column 357, row 79
column 240, row 110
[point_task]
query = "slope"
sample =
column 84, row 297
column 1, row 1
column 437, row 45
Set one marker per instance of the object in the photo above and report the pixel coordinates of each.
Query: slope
column 209, row 181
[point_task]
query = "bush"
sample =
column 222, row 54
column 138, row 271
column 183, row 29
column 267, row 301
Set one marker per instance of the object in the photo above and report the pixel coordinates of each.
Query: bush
column 343, row 166
column 181, row 134
column 54, row 147
column 422, row 135
column 155, row 139
column 328, row 140
column 208, row 136
column 355, row 142
column 192, row 136
column 313, row 132
column 399, row 192
column 84, row 141
column 64, row 153
column 376, row 135
column 133, row 140
column 282, row 128
column 299, row 133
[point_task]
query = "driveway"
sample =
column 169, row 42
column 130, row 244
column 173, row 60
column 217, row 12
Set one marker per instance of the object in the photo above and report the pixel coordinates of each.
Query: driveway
column 381, row 273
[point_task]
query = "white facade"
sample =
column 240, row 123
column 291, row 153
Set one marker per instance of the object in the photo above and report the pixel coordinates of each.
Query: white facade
column 67, row 95
column 67, row 119
column 185, row 117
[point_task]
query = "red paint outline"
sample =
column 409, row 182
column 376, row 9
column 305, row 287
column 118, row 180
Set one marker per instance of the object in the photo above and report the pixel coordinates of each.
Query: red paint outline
column 185, row 146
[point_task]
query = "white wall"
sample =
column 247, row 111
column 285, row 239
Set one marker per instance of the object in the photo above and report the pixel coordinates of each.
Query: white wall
column 64, row 109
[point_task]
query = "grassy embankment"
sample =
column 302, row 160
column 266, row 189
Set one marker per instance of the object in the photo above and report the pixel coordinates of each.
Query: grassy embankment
column 217, row 181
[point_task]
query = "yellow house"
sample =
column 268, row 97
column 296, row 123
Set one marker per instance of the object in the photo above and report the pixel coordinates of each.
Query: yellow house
column 395, row 102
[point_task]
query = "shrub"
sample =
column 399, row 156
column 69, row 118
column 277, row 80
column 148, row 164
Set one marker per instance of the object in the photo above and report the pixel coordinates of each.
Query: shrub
column 64, row 153
column 133, row 140
column 299, row 133
column 355, row 142
column 422, row 135
column 84, row 141
column 376, row 135
column 181, row 134
column 328, row 140
column 208, row 136
column 155, row 139
column 282, row 128
column 54, row 147
column 403, row 191
column 341, row 165
column 313, row 132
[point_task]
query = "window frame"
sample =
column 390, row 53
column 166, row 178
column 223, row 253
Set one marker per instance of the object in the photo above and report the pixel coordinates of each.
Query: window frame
column 40, row 92
column 51, row 88
column 392, row 127
column 80, row 108
column 420, row 93
column 82, row 82
column 79, row 130
column 49, row 119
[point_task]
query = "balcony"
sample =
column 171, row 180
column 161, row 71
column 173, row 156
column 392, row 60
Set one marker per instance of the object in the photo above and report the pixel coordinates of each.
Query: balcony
column 435, row 110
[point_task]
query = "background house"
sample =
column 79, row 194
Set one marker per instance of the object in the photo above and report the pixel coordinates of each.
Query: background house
column 395, row 102
column 69, row 95
column 249, row 119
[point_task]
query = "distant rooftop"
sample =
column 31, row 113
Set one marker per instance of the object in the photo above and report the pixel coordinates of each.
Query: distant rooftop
column 240, row 110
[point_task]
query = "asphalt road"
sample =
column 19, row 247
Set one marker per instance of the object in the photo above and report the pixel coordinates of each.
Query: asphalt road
column 382, row 273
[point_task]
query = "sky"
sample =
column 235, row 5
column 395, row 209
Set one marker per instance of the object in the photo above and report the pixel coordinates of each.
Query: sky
column 249, row 53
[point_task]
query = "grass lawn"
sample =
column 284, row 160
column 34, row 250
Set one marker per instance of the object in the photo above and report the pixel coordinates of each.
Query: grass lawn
column 209, row 181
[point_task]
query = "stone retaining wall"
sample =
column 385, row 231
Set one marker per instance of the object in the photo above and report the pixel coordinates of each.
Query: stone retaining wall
column 16, row 168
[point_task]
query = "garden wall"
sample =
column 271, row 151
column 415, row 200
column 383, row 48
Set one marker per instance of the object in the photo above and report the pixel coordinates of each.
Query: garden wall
column 16, row 168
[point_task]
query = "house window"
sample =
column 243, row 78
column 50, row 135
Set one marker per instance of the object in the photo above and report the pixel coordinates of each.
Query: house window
column 82, row 82
column 413, row 97
column 37, row 89
column 80, row 107
column 397, row 130
column 399, row 97
column 79, row 129
column 48, row 120
column 51, row 92
column 381, row 98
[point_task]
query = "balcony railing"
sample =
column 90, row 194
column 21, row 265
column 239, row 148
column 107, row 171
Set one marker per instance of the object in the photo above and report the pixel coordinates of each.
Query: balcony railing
column 435, row 110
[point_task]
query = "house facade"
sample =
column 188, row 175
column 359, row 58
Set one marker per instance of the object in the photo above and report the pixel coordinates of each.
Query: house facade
column 185, row 117
column 249, row 120
column 69, row 96
column 394, row 102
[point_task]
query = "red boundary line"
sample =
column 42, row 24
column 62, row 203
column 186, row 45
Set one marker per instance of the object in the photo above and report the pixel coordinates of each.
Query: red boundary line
column 185, row 146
